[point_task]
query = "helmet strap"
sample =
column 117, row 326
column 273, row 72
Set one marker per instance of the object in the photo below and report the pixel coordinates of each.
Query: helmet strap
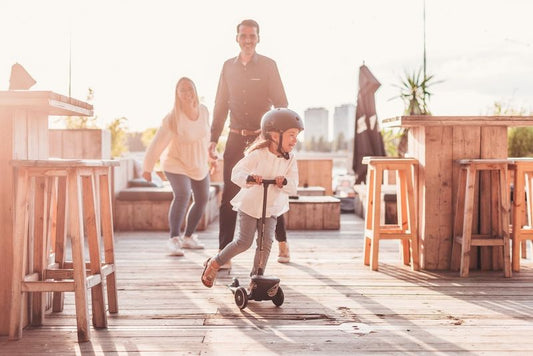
column 280, row 146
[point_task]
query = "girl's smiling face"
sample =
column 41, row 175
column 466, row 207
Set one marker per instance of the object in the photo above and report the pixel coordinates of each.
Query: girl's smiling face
column 290, row 138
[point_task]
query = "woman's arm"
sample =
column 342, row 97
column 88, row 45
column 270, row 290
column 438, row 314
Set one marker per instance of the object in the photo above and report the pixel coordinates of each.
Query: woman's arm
column 160, row 141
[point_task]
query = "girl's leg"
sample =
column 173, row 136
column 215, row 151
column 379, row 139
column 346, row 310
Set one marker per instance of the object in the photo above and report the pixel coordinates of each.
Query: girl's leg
column 200, row 191
column 247, row 228
column 261, row 258
column 181, row 189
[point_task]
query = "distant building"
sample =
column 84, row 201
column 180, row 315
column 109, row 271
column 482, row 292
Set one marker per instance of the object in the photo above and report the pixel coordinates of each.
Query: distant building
column 316, row 124
column 344, row 121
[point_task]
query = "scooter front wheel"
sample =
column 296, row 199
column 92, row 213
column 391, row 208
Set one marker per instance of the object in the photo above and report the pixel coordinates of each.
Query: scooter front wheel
column 241, row 297
column 279, row 298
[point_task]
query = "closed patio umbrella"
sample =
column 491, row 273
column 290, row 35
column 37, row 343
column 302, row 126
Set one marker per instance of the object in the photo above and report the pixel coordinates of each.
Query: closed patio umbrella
column 367, row 138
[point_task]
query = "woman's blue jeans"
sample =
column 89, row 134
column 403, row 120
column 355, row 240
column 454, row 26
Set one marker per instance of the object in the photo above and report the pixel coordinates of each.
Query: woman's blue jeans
column 182, row 186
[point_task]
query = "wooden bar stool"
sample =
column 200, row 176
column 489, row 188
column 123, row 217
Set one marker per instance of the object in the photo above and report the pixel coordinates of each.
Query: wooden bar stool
column 406, row 227
column 71, row 197
column 522, row 224
column 498, row 235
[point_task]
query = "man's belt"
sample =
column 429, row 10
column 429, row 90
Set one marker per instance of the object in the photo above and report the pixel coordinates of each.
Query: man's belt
column 246, row 132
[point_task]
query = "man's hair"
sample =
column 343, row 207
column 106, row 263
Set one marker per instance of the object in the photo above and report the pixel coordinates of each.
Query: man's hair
column 249, row 23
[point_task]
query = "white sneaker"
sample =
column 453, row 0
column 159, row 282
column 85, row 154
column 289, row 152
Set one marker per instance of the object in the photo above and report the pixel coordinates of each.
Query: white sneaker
column 191, row 242
column 173, row 246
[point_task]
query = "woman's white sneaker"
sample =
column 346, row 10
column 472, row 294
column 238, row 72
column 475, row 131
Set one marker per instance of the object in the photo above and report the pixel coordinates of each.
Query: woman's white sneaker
column 191, row 242
column 174, row 246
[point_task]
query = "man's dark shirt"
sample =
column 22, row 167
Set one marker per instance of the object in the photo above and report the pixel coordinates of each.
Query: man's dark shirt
column 247, row 92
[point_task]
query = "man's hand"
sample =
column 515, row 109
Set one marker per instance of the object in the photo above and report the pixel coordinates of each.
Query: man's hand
column 212, row 150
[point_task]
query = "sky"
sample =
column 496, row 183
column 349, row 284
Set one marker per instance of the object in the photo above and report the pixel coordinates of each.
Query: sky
column 131, row 53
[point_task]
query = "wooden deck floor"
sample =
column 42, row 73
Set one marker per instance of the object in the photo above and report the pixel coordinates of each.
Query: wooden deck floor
column 333, row 305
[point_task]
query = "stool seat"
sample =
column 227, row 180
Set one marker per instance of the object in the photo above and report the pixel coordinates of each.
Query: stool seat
column 70, row 197
column 405, row 229
column 465, row 235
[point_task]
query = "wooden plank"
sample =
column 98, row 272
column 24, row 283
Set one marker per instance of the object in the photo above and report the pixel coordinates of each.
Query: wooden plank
column 466, row 145
column 7, row 195
column 493, row 145
column 424, row 120
column 435, row 181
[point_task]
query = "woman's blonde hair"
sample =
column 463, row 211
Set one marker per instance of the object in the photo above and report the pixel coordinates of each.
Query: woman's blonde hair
column 177, row 104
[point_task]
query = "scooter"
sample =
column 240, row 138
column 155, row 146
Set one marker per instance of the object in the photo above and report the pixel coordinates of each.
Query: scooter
column 261, row 287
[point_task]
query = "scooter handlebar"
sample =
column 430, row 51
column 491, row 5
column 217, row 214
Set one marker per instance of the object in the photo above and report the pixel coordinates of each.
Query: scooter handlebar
column 251, row 179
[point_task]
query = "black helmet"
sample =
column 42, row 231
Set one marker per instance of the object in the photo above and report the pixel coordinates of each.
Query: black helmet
column 280, row 120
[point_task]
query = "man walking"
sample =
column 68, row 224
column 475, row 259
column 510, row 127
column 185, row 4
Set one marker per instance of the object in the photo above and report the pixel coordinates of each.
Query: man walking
column 249, row 86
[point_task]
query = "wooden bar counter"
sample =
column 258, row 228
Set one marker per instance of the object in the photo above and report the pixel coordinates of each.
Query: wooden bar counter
column 437, row 142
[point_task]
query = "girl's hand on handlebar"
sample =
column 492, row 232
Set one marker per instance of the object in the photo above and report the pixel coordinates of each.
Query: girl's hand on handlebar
column 279, row 181
column 256, row 179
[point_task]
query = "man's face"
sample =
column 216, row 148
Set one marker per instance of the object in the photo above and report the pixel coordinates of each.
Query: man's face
column 248, row 38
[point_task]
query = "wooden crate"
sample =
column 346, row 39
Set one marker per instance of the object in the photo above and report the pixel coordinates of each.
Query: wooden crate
column 316, row 172
column 313, row 213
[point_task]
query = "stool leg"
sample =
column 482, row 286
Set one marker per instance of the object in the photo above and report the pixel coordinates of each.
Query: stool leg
column 403, row 216
column 412, row 219
column 467, row 226
column 109, row 244
column 93, row 239
column 458, row 223
column 61, row 236
column 40, row 253
column 20, row 245
column 369, row 215
column 504, row 221
column 529, row 209
column 518, row 210
column 78, row 260
column 376, row 221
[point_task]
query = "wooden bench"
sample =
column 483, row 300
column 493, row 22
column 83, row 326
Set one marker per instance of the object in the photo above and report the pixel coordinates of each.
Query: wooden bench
column 146, row 208
column 313, row 213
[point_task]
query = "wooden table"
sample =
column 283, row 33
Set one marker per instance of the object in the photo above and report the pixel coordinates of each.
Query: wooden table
column 437, row 142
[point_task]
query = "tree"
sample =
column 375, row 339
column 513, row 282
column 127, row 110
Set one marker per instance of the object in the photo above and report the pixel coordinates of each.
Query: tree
column 415, row 94
column 118, row 129
column 340, row 142
column 148, row 136
column 414, row 91
column 519, row 139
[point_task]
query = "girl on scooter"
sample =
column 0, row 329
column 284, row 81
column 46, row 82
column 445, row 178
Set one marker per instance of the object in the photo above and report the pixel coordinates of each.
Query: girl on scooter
column 269, row 157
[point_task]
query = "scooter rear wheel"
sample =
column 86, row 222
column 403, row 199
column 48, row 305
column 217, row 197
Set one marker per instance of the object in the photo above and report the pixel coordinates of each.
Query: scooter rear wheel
column 279, row 298
column 241, row 297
